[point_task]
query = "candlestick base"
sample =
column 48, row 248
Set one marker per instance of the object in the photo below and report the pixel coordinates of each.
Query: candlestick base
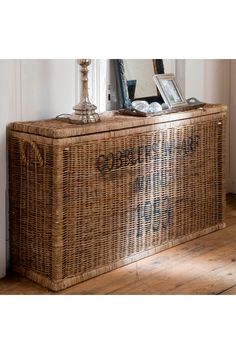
column 85, row 113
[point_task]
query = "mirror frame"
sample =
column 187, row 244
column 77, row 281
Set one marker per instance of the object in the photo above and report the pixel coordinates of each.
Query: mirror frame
column 123, row 93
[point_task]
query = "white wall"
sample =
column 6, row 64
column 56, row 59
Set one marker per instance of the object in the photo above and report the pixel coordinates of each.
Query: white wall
column 48, row 88
column 7, row 111
column 31, row 90
column 194, row 79
column 209, row 81
column 232, row 124
column 217, row 90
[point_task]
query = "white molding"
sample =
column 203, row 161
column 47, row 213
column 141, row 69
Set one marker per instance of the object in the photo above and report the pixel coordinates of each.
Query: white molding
column 29, row 90
column 232, row 128
column 180, row 73
column 77, row 78
column 7, row 113
column 173, row 66
column 98, row 83
column 18, row 89
column 96, row 80
column 15, row 115
column 103, row 85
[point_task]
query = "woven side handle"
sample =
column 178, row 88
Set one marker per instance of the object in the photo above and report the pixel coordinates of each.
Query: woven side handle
column 23, row 157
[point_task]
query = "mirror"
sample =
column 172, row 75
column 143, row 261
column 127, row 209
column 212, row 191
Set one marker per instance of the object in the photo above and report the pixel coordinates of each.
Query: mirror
column 135, row 80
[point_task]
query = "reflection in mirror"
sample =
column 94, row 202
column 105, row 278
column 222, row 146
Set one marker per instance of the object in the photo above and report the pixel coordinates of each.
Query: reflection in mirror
column 140, row 72
column 135, row 80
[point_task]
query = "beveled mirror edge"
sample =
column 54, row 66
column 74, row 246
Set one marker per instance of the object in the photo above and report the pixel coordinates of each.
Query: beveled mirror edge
column 123, row 94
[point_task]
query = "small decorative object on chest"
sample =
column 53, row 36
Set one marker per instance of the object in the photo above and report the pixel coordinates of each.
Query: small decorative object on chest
column 84, row 110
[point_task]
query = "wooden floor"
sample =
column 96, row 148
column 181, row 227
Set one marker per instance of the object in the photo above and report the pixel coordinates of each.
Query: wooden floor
column 206, row 265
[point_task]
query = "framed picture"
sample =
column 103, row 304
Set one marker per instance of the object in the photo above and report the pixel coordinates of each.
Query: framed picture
column 169, row 90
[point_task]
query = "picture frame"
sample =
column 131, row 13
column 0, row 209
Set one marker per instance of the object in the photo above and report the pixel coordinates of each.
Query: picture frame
column 169, row 89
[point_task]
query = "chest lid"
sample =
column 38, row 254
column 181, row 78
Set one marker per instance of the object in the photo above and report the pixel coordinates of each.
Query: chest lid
column 110, row 121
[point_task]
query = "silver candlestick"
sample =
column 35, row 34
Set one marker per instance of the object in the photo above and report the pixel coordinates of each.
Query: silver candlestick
column 84, row 110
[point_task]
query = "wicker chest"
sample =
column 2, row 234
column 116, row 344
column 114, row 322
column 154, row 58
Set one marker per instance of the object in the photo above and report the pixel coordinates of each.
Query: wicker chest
column 87, row 199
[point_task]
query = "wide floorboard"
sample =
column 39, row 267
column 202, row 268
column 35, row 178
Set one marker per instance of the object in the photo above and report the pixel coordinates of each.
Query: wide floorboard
column 206, row 265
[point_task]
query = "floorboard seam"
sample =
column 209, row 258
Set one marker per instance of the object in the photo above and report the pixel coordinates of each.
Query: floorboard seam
column 223, row 291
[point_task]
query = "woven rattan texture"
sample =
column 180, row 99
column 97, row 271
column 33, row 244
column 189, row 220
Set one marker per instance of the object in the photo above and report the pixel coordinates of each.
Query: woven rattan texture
column 31, row 197
column 78, row 209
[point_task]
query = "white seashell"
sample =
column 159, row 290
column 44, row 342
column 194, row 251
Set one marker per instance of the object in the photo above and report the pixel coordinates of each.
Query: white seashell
column 154, row 107
column 141, row 106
